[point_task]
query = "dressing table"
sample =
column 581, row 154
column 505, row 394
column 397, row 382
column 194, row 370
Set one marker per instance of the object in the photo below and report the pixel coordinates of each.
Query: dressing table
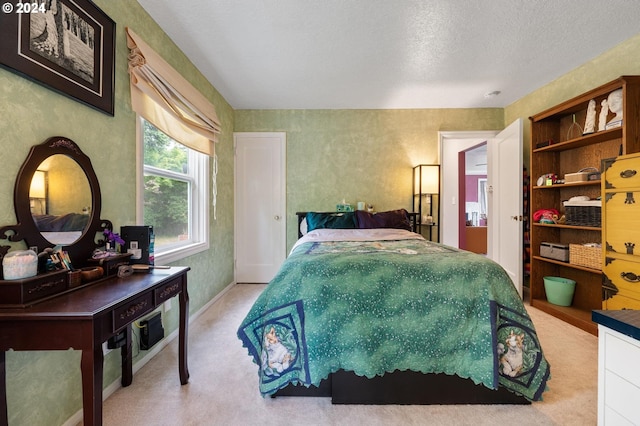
column 86, row 318
column 79, row 317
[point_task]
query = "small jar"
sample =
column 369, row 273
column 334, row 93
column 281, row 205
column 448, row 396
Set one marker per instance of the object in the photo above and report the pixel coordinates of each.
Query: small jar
column 20, row 264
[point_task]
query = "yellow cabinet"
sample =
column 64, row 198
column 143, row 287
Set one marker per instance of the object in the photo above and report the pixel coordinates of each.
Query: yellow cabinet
column 621, row 233
column 622, row 220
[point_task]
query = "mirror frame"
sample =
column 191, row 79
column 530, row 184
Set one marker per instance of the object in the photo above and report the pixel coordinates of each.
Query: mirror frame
column 27, row 230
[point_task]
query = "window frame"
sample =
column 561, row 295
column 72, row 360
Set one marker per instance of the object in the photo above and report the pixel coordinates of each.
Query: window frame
column 198, row 200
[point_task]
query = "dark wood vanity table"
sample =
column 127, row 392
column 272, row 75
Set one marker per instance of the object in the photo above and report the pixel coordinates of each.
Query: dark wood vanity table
column 47, row 312
column 85, row 318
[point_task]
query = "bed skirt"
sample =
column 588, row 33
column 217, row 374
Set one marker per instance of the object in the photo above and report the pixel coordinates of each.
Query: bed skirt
column 403, row 388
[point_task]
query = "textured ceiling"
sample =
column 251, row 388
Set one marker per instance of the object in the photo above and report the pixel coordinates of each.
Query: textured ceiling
column 333, row 54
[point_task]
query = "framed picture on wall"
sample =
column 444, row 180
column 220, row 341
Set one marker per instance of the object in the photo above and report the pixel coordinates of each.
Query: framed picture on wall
column 66, row 45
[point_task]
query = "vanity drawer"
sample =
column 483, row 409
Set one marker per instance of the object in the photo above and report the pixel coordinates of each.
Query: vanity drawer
column 19, row 293
column 621, row 209
column 624, row 275
column 132, row 310
column 624, row 172
column 167, row 291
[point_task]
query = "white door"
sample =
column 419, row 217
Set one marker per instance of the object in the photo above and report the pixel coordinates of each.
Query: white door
column 505, row 190
column 260, row 206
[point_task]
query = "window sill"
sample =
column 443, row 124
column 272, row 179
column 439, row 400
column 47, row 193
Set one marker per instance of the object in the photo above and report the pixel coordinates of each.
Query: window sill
column 175, row 254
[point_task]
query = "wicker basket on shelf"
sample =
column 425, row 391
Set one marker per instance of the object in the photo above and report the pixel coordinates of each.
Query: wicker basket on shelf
column 586, row 213
column 588, row 256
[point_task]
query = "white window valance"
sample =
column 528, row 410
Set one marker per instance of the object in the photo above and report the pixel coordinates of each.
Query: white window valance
column 161, row 95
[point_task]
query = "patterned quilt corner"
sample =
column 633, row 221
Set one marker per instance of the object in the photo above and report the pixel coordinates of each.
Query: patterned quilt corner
column 521, row 365
column 277, row 343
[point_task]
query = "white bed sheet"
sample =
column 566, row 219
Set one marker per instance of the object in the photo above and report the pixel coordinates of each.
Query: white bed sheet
column 377, row 234
column 62, row 238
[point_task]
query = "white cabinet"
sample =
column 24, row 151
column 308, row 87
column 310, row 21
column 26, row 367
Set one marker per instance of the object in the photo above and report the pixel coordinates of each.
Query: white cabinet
column 618, row 378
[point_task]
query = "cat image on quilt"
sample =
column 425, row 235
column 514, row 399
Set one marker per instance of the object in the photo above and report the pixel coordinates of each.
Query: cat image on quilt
column 278, row 356
column 511, row 357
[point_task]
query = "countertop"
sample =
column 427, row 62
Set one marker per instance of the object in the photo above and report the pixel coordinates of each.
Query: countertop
column 625, row 321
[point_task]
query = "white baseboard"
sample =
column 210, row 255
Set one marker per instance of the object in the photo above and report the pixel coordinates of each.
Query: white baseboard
column 116, row 384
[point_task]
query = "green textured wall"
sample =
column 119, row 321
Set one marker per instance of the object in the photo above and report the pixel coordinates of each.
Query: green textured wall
column 358, row 155
column 44, row 388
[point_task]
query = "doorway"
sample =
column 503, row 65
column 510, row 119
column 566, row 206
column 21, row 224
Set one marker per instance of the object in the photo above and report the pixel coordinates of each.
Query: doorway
column 472, row 223
column 504, row 190
column 451, row 145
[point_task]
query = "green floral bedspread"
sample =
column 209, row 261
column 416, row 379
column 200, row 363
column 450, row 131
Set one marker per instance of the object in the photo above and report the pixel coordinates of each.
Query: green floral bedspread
column 377, row 307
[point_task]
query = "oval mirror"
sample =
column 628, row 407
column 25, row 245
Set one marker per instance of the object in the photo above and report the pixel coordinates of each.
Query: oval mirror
column 57, row 201
column 60, row 199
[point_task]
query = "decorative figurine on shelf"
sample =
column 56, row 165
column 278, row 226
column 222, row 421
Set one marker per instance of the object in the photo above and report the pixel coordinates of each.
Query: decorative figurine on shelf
column 590, row 123
column 615, row 106
column 604, row 111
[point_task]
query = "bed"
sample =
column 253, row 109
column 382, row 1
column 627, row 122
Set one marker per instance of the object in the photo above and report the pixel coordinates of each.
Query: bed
column 61, row 229
column 370, row 314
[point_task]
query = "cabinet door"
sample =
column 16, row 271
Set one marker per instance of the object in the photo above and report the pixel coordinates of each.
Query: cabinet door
column 624, row 173
column 622, row 209
column 618, row 302
column 624, row 275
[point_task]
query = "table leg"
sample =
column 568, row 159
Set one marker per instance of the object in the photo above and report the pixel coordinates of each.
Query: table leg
column 126, row 353
column 4, row 419
column 91, row 366
column 183, row 335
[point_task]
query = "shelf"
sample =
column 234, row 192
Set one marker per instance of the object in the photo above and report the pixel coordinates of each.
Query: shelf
column 581, row 318
column 568, row 265
column 568, row 185
column 580, row 228
column 597, row 137
column 567, row 154
column 579, row 103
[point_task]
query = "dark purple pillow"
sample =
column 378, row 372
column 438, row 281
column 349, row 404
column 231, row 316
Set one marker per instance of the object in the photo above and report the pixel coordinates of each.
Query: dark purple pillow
column 398, row 219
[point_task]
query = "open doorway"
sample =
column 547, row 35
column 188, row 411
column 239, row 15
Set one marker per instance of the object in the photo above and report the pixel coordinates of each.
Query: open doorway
column 505, row 194
column 453, row 146
column 472, row 221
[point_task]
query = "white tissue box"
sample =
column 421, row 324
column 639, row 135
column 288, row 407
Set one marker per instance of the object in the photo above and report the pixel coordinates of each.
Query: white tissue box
column 20, row 264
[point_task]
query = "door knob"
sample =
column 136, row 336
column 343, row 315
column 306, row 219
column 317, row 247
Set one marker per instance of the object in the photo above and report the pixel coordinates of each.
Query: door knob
column 276, row 217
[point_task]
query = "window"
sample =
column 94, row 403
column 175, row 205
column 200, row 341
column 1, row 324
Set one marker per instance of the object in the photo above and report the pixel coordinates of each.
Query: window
column 173, row 154
column 174, row 194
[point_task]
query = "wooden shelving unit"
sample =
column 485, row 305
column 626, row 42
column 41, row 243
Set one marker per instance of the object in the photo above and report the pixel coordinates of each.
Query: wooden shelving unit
column 568, row 154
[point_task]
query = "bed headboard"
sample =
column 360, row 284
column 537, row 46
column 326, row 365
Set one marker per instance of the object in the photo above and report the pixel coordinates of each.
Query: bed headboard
column 413, row 220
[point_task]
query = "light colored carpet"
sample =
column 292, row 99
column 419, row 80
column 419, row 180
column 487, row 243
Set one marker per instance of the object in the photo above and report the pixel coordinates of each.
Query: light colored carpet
column 223, row 389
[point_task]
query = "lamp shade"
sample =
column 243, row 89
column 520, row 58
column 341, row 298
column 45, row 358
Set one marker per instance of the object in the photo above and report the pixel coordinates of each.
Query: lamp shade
column 426, row 179
column 37, row 189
